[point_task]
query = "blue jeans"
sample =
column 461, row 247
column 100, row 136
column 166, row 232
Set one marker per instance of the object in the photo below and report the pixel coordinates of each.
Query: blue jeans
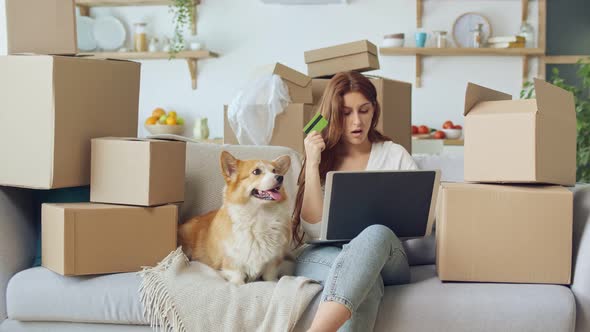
column 355, row 274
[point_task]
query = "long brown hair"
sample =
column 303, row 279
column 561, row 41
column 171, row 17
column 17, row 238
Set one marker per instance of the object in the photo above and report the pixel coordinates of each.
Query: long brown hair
column 331, row 107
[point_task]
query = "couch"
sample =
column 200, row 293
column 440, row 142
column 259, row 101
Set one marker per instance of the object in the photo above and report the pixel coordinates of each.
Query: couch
column 36, row 299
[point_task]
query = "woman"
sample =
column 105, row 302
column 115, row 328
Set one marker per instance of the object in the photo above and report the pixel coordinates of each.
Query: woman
column 353, row 275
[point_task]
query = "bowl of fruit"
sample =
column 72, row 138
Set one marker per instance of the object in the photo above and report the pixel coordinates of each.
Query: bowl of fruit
column 421, row 131
column 451, row 130
column 164, row 123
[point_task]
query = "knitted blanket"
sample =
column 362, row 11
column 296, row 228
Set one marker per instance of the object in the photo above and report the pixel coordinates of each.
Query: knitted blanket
column 182, row 296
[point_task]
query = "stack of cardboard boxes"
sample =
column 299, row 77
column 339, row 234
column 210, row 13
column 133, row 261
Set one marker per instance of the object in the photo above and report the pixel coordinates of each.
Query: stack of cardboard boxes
column 52, row 104
column 515, row 223
column 395, row 97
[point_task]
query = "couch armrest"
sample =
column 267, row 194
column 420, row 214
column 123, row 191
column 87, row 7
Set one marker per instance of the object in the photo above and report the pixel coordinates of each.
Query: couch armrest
column 581, row 256
column 17, row 236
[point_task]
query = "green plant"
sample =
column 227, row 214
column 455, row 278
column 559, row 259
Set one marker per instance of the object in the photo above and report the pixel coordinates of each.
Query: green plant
column 582, row 101
column 183, row 11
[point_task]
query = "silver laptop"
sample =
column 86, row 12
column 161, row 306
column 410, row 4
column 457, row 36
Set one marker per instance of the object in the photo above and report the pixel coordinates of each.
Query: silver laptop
column 404, row 201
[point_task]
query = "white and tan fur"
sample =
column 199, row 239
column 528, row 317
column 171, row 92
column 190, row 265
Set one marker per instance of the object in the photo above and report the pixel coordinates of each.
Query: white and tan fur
column 248, row 237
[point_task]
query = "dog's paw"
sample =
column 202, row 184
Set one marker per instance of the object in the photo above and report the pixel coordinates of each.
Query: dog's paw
column 235, row 277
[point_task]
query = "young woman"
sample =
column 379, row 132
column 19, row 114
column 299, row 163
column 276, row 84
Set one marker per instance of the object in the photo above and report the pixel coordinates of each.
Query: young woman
column 354, row 274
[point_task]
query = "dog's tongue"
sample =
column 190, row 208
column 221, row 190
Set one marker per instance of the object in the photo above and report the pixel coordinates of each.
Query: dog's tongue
column 275, row 194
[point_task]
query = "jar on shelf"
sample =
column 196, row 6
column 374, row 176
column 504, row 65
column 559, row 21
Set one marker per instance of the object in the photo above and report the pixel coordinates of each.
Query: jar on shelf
column 477, row 36
column 166, row 44
column 440, row 39
column 527, row 31
column 153, row 46
column 140, row 43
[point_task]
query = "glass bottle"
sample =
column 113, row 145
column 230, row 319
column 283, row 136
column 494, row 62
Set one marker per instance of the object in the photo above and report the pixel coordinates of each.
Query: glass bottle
column 526, row 31
column 139, row 38
column 440, row 38
column 478, row 36
column 153, row 46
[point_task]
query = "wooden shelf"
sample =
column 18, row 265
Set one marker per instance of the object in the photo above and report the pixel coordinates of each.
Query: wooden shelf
column 190, row 56
column 201, row 54
column 456, row 51
column 525, row 53
column 566, row 59
column 420, row 52
column 453, row 142
column 447, row 142
column 113, row 3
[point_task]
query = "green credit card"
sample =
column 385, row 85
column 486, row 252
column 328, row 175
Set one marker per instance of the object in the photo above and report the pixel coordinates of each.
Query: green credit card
column 317, row 123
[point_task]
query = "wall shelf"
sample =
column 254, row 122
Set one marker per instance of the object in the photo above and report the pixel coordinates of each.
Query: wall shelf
column 566, row 59
column 525, row 53
column 420, row 11
column 456, row 51
column 190, row 56
column 419, row 53
column 85, row 5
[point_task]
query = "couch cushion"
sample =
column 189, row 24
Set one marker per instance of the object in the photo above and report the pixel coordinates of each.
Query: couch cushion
column 449, row 164
column 38, row 294
column 427, row 304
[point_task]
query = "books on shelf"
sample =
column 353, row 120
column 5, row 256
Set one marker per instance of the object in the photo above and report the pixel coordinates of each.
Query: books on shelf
column 506, row 39
column 507, row 45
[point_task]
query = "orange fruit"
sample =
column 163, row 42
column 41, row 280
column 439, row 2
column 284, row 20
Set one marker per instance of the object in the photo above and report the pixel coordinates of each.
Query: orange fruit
column 170, row 121
column 151, row 120
column 158, row 112
column 172, row 114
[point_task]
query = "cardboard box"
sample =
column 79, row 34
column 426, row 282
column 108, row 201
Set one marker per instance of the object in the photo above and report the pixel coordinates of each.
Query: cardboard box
column 86, row 238
column 359, row 56
column 137, row 171
column 50, row 108
column 299, row 84
column 288, row 130
column 520, row 141
column 395, row 99
column 41, row 26
column 504, row 233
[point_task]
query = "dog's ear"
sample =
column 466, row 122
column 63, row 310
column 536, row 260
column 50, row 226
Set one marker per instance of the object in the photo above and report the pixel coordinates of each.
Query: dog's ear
column 229, row 165
column 282, row 164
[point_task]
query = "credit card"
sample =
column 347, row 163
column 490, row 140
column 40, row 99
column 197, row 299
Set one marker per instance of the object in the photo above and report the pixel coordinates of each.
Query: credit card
column 317, row 123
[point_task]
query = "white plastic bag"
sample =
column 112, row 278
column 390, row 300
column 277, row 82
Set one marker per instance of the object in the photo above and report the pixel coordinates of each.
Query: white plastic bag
column 252, row 112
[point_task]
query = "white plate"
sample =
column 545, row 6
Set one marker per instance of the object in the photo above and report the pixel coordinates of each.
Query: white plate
column 86, row 41
column 463, row 25
column 109, row 33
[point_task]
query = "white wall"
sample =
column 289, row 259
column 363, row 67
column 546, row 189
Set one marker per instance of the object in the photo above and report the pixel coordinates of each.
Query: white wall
column 248, row 33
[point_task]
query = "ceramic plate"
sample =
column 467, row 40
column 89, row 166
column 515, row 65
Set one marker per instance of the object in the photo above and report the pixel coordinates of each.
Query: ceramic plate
column 109, row 33
column 463, row 25
column 86, row 41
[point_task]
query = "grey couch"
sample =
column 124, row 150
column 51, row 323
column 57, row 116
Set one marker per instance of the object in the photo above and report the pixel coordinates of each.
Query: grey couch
column 35, row 299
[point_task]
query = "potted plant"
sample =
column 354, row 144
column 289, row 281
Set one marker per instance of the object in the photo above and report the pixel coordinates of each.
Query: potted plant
column 183, row 12
column 582, row 101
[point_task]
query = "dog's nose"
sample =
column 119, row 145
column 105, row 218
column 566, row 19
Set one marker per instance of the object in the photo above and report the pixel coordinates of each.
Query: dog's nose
column 279, row 178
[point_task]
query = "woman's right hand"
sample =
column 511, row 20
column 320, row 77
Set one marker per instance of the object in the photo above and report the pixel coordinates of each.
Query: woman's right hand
column 314, row 145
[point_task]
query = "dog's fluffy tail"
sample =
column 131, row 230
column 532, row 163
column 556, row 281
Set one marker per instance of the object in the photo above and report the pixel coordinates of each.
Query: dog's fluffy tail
column 185, row 238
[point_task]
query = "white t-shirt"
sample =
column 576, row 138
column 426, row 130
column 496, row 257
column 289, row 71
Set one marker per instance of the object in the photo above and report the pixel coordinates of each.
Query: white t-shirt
column 384, row 156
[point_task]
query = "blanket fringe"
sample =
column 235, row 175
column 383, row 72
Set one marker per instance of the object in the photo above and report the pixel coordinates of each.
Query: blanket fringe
column 158, row 307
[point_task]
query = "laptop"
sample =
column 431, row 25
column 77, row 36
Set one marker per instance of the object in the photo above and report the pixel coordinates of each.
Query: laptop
column 404, row 201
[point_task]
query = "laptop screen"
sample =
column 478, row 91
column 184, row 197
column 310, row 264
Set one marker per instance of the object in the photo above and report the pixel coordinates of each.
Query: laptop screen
column 400, row 200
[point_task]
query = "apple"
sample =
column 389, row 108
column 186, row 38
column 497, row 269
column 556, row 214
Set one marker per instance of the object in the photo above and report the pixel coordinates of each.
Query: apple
column 414, row 130
column 448, row 124
column 439, row 134
column 423, row 129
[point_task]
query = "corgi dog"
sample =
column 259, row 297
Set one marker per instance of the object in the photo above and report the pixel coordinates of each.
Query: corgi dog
column 249, row 236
